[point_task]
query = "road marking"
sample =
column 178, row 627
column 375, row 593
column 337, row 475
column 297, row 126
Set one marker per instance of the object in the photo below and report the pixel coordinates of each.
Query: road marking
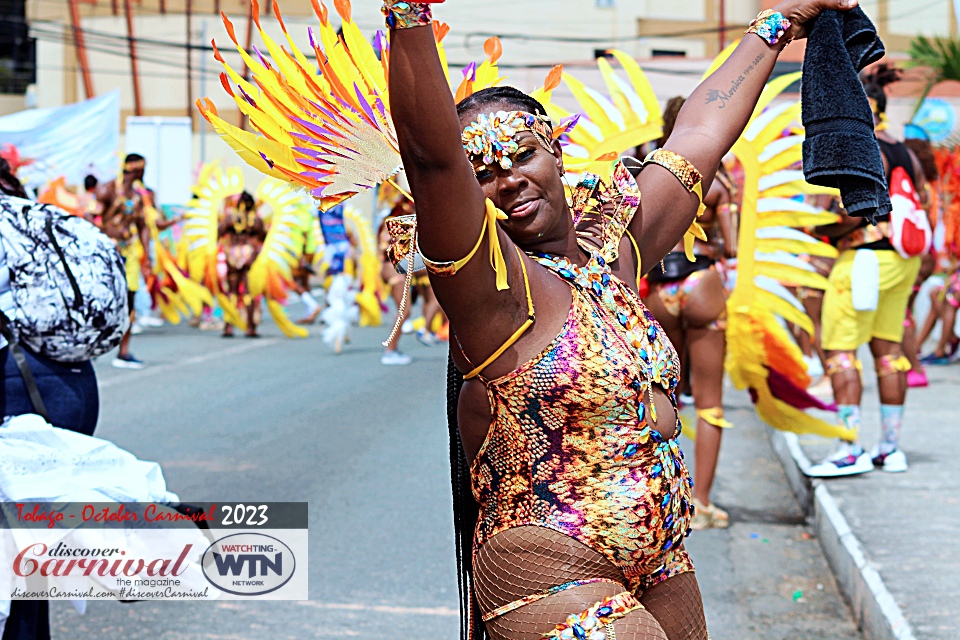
column 403, row 611
column 121, row 378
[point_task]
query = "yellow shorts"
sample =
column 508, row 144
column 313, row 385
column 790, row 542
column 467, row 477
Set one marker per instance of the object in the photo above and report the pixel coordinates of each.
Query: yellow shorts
column 845, row 328
column 132, row 258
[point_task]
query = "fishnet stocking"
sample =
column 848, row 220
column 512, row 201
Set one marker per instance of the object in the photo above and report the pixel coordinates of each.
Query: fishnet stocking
column 527, row 560
column 523, row 561
column 677, row 606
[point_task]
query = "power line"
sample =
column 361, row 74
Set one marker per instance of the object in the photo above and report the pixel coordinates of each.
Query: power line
column 117, row 45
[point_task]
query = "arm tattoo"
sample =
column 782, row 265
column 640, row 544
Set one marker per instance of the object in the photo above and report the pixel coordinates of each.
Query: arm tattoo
column 723, row 95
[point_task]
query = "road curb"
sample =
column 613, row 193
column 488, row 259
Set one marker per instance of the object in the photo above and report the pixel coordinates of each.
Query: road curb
column 875, row 611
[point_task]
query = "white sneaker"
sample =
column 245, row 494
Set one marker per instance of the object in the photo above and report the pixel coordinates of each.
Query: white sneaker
column 151, row 321
column 844, row 462
column 407, row 326
column 893, row 462
column 136, row 328
column 395, row 358
column 128, row 362
column 427, row 338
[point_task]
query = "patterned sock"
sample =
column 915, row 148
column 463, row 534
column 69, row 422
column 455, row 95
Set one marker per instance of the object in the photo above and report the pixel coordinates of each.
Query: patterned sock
column 849, row 415
column 891, row 417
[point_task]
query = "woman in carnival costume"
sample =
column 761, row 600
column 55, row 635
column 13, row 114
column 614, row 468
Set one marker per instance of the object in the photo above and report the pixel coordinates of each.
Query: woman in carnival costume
column 567, row 415
column 242, row 233
column 567, row 411
column 260, row 238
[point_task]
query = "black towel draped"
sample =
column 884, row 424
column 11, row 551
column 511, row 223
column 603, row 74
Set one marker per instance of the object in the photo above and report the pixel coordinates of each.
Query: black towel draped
column 840, row 149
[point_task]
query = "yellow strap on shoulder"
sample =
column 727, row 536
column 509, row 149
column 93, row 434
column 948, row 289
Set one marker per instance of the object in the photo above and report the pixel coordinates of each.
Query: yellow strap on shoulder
column 531, row 317
column 636, row 248
column 496, row 253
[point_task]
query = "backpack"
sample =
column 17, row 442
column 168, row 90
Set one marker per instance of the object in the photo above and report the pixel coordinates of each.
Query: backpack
column 910, row 232
column 67, row 282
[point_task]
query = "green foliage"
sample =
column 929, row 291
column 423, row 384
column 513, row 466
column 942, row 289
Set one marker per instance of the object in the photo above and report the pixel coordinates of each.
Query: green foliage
column 940, row 55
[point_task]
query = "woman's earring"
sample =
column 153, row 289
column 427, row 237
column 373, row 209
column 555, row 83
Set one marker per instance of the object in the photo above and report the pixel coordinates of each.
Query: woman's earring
column 569, row 190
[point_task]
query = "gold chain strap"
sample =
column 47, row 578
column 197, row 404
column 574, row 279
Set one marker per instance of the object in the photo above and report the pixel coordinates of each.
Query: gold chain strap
column 407, row 282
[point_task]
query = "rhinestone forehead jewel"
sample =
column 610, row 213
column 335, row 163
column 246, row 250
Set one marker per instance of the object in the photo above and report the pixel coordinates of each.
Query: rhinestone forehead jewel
column 491, row 136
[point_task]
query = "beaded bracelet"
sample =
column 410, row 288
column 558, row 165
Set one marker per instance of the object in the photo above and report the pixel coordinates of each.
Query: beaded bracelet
column 405, row 15
column 769, row 25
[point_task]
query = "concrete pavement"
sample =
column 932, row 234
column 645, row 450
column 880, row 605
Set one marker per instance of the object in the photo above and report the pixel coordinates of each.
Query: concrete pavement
column 905, row 526
column 366, row 446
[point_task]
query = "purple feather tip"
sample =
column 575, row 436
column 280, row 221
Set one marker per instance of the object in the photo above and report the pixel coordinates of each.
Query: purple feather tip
column 263, row 60
column 246, row 96
column 363, row 103
column 313, row 43
column 266, row 159
column 471, row 71
column 380, row 41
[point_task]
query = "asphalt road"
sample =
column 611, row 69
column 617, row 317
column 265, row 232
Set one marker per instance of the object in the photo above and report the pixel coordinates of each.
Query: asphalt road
column 366, row 446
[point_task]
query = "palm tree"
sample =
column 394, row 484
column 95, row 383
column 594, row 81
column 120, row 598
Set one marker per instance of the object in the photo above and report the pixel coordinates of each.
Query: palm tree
column 940, row 55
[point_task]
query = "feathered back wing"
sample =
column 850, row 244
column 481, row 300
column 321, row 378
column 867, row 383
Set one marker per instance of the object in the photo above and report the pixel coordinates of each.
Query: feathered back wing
column 761, row 354
column 627, row 116
column 271, row 274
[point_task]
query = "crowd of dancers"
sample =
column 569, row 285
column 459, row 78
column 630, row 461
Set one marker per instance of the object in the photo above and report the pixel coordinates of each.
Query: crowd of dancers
column 220, row 258
column 228, row 252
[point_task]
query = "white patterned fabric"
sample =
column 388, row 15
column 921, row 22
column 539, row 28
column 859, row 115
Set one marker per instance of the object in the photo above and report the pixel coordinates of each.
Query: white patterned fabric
column 67, row 283
column 6, row 295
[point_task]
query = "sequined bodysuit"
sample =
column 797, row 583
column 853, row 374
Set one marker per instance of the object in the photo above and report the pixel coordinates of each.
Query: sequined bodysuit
column 570, row 447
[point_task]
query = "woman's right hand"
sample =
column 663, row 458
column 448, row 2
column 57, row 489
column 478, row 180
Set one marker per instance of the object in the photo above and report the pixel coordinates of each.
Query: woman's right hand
column 801, row 12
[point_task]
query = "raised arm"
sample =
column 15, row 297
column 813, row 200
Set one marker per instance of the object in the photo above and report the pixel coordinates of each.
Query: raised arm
column 450, row 203
column 708, row 125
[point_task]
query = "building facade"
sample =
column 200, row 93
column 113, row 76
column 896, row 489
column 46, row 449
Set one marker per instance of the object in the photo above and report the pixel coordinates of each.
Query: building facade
column 174, row 60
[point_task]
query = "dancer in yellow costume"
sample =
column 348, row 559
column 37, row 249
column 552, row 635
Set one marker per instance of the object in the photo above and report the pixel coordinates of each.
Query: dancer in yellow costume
column 266, row 265
column 867, row 301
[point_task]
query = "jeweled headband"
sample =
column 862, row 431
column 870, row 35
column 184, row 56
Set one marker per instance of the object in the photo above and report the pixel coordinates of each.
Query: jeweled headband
column 492, row 136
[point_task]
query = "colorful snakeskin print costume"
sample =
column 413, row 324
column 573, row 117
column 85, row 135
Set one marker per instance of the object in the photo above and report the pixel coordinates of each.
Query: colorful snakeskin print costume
column 570, row 447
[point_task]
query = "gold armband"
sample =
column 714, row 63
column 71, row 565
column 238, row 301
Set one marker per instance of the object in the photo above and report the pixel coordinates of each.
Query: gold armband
column 692, row 181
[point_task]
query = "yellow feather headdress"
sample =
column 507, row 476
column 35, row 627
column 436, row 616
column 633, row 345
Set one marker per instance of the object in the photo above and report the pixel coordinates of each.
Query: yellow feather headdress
column 325, row 124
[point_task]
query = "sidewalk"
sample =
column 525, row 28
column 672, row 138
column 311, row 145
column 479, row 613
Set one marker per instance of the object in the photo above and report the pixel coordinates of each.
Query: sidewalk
column 766, row 577
column 893, row 540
